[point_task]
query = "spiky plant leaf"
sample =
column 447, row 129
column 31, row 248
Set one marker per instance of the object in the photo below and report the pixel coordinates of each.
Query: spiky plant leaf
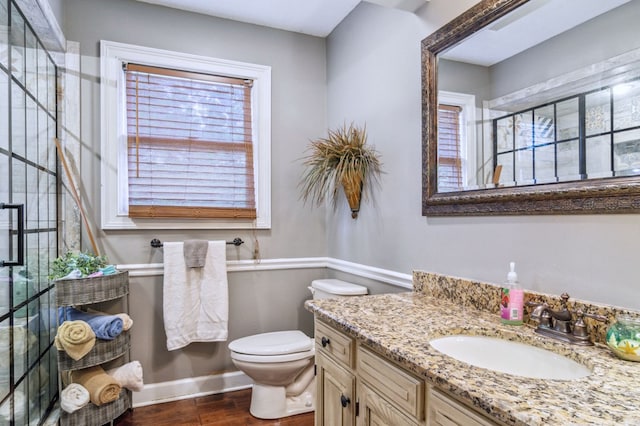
column 341, row 158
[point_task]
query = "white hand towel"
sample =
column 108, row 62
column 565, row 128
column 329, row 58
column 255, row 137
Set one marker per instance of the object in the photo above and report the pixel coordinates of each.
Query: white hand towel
column 128, row 375
column 73, row 397
column 195, row 300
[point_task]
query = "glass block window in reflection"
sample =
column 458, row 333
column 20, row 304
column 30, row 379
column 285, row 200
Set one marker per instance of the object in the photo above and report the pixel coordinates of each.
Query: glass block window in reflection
column 626, row 152
column 545, row 163
column 598, row 156
column 523, row 130
column 504, row 134
column 544, row 128
column 626, row 105
column 524, row 167
column 568, row 161
column 598, row 112
column 568, row 120
column 505, row 163
column 588, row 135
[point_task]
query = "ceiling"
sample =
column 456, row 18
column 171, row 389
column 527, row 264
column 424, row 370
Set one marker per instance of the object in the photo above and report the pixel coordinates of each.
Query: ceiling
column 513, row 33
column 313, row 17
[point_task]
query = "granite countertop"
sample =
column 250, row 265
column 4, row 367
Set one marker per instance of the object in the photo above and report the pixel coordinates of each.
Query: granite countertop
column 400, row 326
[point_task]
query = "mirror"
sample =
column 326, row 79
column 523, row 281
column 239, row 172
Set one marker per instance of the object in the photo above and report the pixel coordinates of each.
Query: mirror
column 533, row 107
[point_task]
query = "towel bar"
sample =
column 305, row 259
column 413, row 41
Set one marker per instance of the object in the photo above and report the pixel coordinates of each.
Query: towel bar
column 156, row 243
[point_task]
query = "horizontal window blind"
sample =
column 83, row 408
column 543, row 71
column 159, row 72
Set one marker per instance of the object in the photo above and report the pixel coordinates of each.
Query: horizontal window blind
column 449, row 154
column 190, row 145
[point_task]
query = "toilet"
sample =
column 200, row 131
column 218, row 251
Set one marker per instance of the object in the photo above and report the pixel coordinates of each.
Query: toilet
column 281, row 363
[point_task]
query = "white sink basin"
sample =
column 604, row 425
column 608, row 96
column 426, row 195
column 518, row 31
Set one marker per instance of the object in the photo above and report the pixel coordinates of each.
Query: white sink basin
column 509, row 357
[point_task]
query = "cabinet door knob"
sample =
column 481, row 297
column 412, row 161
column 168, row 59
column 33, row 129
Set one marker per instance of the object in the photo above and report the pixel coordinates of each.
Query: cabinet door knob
column 344, row 400
column 325, row 342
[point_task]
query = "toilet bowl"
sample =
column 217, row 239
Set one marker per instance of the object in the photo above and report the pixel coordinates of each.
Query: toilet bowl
column 281, row 363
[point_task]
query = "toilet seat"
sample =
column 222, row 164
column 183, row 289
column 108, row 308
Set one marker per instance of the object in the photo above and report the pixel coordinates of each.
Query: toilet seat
column 278, row 346
column 272, row 359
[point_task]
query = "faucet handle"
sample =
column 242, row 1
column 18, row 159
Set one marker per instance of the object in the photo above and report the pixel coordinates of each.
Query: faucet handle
column 539, row 308
column 601, row 318
column 580, row 327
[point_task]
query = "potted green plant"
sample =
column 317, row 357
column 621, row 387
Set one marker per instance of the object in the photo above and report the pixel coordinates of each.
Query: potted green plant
column 85, row 263
column 82, row 278
column 341, row 160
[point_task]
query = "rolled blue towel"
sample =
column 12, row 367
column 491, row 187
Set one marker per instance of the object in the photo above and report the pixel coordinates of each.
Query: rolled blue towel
column 108, row 270
column 106, row 327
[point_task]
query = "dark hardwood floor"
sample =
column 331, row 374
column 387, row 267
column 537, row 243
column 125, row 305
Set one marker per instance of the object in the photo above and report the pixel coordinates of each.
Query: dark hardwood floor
column 229, row 409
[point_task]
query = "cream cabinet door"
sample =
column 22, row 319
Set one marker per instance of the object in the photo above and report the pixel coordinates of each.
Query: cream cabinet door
column 335, row 398
column 444, row 411
column 377, row 411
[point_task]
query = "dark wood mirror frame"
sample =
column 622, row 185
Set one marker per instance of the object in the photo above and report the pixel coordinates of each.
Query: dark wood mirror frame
column 607, row 195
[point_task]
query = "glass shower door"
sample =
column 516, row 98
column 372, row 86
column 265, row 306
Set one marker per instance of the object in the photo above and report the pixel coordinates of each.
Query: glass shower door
column 28, row 222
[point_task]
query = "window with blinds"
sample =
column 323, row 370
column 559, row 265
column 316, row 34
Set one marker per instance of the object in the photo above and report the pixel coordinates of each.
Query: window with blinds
column 190, row 145
column 449, row 148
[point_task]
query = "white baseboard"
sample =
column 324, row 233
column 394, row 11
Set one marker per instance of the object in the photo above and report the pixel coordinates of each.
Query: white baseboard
column 192, row 387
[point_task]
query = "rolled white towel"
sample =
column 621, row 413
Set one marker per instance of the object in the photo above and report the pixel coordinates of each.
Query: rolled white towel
column 74, row 397
column 128, row 375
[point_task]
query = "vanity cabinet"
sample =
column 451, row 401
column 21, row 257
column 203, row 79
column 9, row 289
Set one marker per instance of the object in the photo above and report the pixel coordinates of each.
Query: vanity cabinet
column 356, row 386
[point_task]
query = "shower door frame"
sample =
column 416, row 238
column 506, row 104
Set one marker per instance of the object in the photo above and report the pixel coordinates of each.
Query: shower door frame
column 30, row 78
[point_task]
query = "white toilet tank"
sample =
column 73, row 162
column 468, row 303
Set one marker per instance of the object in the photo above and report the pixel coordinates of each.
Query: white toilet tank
column 332, row 288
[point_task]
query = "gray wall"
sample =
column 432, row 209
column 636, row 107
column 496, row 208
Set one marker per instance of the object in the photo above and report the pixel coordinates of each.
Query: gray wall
column 298, row 111
column 57, row 7
column 259, row 301
column 374, row 77
column 466, row 78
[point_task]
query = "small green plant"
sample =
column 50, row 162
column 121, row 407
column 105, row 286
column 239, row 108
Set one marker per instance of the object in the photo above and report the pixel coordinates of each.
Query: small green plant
column 86, row 263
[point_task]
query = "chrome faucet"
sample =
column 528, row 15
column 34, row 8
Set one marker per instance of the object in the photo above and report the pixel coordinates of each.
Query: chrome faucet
column 560, row 325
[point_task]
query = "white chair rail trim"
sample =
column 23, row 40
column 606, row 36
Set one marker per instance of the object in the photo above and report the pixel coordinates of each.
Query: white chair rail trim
column 383, row 275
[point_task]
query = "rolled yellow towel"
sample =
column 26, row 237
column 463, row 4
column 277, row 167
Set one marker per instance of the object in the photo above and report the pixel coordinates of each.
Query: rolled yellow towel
column 127, row 322
column 76, row 338
column 102, row 387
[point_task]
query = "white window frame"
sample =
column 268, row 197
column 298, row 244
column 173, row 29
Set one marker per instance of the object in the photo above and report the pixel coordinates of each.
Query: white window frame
column 467, row 133
column 114, row 186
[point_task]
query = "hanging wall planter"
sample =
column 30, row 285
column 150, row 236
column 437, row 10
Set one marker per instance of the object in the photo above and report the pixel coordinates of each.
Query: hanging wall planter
column 342, row 160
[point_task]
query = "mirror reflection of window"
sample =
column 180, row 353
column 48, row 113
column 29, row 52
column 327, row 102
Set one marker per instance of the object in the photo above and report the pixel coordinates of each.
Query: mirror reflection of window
column 449, row 148
column 571, row 139
column 457, row 162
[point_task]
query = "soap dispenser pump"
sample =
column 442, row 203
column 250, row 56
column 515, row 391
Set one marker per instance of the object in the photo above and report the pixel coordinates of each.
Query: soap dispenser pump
column 512, row 299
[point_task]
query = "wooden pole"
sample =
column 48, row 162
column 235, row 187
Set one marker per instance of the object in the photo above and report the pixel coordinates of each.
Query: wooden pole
column 74, row 193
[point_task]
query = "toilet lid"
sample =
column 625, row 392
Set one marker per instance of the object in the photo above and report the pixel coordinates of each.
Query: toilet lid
column 339, row 287
column 275, row 343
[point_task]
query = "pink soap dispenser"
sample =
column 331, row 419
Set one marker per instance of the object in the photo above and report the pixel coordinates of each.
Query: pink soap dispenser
column 512, row 299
